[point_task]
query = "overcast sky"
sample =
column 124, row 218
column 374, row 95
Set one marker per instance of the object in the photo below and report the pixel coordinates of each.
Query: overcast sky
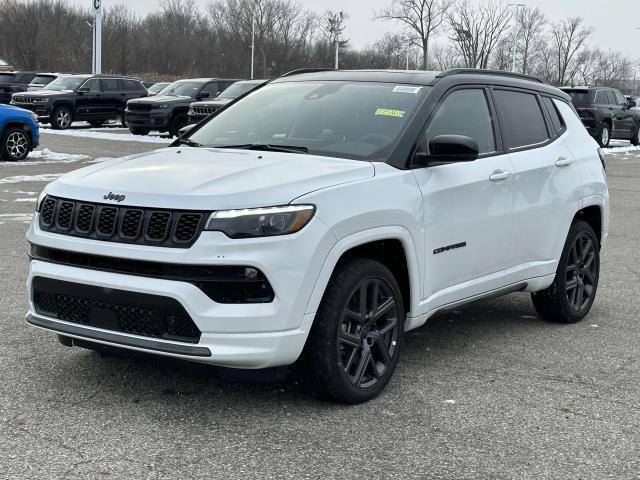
column 615, row 21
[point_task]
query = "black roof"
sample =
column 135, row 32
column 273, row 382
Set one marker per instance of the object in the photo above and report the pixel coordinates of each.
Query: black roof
column 426, row 78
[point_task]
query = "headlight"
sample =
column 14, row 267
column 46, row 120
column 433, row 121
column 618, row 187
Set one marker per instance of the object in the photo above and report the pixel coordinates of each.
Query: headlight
column 42, row 100
column 163, row 105
column 261, row 222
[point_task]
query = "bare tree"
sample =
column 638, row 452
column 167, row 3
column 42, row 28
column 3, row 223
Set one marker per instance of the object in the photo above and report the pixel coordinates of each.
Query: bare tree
column 568, row 37
column 423, row 18
column 446, row 57
column 477, row 30
column 532, row 24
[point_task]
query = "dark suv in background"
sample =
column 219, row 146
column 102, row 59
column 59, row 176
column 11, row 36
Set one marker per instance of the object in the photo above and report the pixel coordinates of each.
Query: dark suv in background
column 168, row 112
column 92, row 98
column 12, row 82
column 606, row 114
column 200, row 110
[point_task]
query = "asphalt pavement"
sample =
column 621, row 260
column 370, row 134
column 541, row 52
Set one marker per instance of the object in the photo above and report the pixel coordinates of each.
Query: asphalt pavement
column 487, row 392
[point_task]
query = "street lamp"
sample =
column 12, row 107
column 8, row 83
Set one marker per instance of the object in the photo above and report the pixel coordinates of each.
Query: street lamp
column 338, row 25
column 515, row 33
column 253, row 40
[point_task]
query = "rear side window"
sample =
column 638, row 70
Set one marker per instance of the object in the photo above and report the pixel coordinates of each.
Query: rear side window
column 583, row 97
column 521, row 119
column 556, row 119
column 601, row 97
column 464, row 112
column 43, row 79
column 110, row 85
column 131, row 85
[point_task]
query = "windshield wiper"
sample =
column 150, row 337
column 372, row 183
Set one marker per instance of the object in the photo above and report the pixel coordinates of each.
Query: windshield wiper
column 188, row 142
column 269, row 147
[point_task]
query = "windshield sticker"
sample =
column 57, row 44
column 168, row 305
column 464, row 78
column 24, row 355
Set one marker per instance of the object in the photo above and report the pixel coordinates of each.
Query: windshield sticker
column 406, row 89
column 387, row 112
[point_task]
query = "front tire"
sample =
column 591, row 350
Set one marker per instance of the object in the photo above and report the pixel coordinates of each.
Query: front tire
column 571, row 295
column 139, row 131
column 15, row 144
column 62, row 118
column 354, row 345
column 180, row 120
column 603, row 137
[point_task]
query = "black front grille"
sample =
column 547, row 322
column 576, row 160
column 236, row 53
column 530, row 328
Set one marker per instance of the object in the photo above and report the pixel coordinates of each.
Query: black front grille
column 115, row 310
column 165, row 228
column 222, row 284
column 139, row 107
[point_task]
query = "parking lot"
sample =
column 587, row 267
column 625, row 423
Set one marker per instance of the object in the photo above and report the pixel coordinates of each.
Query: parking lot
column 488, row 392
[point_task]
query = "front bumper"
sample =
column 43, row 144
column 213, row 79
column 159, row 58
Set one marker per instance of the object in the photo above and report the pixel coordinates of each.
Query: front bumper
column 154, row 119
column 245, row 335
column 42, row 111
column 196, row 118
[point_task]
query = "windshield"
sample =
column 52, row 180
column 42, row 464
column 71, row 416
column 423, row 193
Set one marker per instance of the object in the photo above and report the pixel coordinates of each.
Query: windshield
column 42, row 79
column 157, row 87
column 579, row 97
column 6, row 77
column 182, row 89
column 359, row 120
column 69, row 84
column 237, row 89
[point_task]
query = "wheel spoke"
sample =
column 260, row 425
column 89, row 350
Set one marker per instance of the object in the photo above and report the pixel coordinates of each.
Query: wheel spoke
column 363, row 300
column 383, row 309
column 350, row 314
column 347, row 367
column 349, row 339
column 388, row 327
column 589, row 276
column 579, row 296
column 585, row 251
column 374, row 296
column 365, row 358
column 382, row 348
column 589, row 260
column 572, row 284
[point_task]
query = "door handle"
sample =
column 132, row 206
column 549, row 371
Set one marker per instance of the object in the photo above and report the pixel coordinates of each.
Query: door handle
column 499, row 175
column 564, row 162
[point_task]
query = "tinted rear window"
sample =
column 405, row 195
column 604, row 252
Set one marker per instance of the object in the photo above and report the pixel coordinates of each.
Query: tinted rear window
column 43, row 79
column 556, row 119
column 6, row 77
column 522, row 120
column 579, row 97
column 131, row 85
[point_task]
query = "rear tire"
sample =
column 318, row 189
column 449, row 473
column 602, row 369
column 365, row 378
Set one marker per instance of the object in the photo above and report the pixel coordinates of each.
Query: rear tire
column 15, row 144
column 635, row 140
column 571, row 295
column 603, row 136
column 62, row 118
column 139, row 131
column 354, row 344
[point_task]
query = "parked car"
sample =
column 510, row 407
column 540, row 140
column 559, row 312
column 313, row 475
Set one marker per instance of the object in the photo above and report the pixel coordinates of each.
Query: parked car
column 91, row 98
column 41, row 80
column 606, row 114
column 323, row 216
column 19, row 133
column 200, row 110
column 168, row 112
column 12, row 82
column 157, row 88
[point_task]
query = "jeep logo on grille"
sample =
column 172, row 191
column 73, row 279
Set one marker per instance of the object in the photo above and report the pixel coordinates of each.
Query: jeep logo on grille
column 115, row 197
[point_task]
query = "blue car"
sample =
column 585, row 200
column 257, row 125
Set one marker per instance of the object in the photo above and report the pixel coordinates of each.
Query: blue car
column 19, row 133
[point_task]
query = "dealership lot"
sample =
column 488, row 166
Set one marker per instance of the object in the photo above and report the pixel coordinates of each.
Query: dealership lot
column 491, row 391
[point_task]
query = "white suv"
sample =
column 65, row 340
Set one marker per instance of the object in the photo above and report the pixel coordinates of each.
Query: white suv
column 320, row 217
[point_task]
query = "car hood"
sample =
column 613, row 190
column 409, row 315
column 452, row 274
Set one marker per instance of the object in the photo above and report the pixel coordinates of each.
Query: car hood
column 208, row 178
column 158, row 99
column 43, row 93
column 13, row 110
column 220, row 102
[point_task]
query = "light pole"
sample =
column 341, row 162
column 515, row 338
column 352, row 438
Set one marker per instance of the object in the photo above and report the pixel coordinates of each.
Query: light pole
column 253, row 40
column 515, row 34
column 97, row 37
column 338, row 26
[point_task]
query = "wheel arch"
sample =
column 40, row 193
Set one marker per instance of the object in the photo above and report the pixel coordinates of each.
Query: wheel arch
column 592, row 214
column 64, row 103
column 392, row 246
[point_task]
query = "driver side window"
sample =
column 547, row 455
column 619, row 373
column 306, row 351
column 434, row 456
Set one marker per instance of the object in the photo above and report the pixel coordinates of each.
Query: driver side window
column 93, row 85
column 464, row 112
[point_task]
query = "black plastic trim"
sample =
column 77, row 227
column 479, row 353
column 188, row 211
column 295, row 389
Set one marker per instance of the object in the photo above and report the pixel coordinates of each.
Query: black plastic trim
column 117, row 339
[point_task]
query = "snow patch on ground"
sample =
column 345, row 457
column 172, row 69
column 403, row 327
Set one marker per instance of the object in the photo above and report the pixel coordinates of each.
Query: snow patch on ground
column 30, row 200
column 118, row 137
column 15, row 217
column 47, row 156
column 620, row 146
column 45, row 177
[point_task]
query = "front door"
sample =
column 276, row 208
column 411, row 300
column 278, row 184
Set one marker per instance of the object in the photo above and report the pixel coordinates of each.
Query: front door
column 89, row 104
column 624, row 118
column 468, row 214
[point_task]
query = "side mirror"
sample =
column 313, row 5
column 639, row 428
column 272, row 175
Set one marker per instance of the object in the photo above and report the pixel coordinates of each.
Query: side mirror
column 632, row 103
column 445, row 149
column 84, row 90
column 202, row 95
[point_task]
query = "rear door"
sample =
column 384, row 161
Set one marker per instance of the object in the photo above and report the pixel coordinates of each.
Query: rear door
column 468, row 212
column 546, row 180
column 112, row 97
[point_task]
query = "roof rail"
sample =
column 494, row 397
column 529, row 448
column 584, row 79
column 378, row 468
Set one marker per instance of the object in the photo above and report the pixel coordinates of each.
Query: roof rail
column 306, row 70
column 476, row 71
